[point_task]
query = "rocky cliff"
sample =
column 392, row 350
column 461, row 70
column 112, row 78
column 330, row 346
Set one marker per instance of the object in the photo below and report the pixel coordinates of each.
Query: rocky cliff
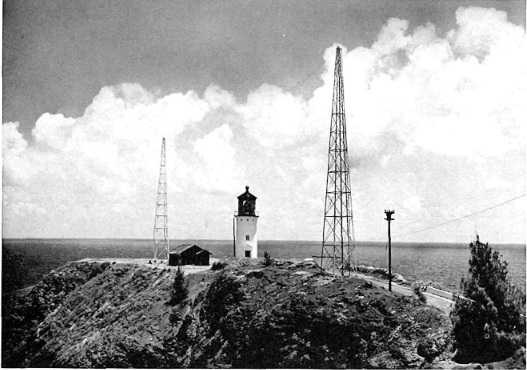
column 241, row 314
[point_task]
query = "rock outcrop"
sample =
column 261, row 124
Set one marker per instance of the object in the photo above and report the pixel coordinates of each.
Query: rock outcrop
column 239, row 314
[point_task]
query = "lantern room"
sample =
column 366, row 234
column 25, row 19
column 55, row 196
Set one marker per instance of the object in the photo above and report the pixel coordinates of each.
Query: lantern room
column 246, row 204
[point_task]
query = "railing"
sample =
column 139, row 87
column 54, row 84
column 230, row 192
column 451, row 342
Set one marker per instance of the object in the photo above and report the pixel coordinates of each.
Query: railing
column 440, row 293
column 447, row 295
column 256, row 213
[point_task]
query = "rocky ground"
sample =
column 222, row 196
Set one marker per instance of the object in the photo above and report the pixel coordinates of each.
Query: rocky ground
column 239, row 314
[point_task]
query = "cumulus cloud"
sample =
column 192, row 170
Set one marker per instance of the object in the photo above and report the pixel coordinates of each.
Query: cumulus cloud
column 220, row 168
column 481, row 31
column 219, row 98
column 274, row 117
column 455, row 95
column 423, row 110
column 101, row 165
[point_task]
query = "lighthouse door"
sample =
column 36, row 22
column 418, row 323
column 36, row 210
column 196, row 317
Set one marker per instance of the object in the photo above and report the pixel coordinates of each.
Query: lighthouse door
column 248, row 254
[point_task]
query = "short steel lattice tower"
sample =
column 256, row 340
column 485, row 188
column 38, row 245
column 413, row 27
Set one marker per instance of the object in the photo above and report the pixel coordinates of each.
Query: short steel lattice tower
column 338, row 240
column 161, row 219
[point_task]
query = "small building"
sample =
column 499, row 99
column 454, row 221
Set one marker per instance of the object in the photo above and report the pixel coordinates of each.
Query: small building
column 189, row 254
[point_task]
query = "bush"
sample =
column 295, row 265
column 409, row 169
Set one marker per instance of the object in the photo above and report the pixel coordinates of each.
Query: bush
column 219, row 265
column 268, row 261
column 419, row 292
column 174, row 316
column 224, row 292
column 179, row 289
column 488, row 321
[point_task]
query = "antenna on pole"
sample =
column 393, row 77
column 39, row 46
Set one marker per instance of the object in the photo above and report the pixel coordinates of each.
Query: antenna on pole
column 338, row 238
column 161, row 243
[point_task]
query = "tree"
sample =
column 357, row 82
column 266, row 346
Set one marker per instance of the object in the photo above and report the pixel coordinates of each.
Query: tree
column 268, row 261
column 179, row 289
column 489, row 319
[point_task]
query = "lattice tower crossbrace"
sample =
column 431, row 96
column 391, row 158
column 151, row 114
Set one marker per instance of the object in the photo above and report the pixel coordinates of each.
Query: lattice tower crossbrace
column 161, row 243
column 338, row 240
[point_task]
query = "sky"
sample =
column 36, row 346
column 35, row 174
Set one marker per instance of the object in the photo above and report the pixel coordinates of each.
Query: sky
column 242, row 92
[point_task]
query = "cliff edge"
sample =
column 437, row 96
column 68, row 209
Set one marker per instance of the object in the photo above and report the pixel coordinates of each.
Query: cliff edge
column 240, row 314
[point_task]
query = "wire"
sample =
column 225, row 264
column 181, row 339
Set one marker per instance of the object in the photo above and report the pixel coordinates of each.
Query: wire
column 364, row 206
column 305, row 79
column 460, row 218
column 469, row 200
column 473, row 199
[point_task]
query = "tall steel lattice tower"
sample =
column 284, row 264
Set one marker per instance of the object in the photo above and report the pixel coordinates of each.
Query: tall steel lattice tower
column 338, row 240
column 161, row 219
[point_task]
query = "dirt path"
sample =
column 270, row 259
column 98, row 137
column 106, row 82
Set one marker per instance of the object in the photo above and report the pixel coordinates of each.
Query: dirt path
column 161, row 264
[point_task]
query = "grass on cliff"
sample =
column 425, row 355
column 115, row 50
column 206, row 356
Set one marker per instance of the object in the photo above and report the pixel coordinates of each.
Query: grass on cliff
column 244, row 315
column 295, row 316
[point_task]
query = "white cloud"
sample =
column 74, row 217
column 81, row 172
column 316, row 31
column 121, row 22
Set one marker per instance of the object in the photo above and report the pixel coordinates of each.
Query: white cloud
column 219, row 169
column 392, row 37
column 456, row 95
column 14, row 152
column 429, row 119
column 13, row 142
column 53, row 130
column 218, row 98
column 274, row 117
column 412, row 203
column 482, row 30
column 97, row 163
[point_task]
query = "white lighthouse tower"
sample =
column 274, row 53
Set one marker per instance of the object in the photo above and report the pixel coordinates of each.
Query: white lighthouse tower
column 246, row 242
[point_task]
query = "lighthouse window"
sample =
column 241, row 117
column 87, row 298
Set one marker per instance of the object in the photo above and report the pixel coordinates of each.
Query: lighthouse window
column 246, row 237
column 247, row 219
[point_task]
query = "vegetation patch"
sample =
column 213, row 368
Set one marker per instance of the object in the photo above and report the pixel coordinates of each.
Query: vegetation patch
column 179, row 292
column 489, row 320
column 285, row 315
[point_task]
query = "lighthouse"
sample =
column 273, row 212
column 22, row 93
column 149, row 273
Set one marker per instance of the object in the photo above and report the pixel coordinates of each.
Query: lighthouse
column 246, row 242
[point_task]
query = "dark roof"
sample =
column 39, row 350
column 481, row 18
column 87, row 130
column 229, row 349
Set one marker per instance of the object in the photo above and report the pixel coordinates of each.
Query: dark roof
column 183, row 247
column 246, row 195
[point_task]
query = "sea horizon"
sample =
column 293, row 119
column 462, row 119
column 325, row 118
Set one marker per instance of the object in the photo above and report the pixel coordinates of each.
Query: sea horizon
column 444, row 263
column 269, row 240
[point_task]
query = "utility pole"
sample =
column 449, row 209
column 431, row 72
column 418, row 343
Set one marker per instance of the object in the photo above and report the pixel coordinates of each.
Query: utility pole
column 338, row 239
column 389, row 219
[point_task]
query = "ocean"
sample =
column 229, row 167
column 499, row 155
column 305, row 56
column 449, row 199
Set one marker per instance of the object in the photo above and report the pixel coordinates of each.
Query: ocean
column 444, row 263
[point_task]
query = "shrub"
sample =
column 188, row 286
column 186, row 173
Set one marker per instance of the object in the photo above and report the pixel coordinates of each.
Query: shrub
column 419, row 292
column 268, row 261
column 224, row 292
column 179, row 288
column 219, row 265
column 488, row 322
column 174, row 316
